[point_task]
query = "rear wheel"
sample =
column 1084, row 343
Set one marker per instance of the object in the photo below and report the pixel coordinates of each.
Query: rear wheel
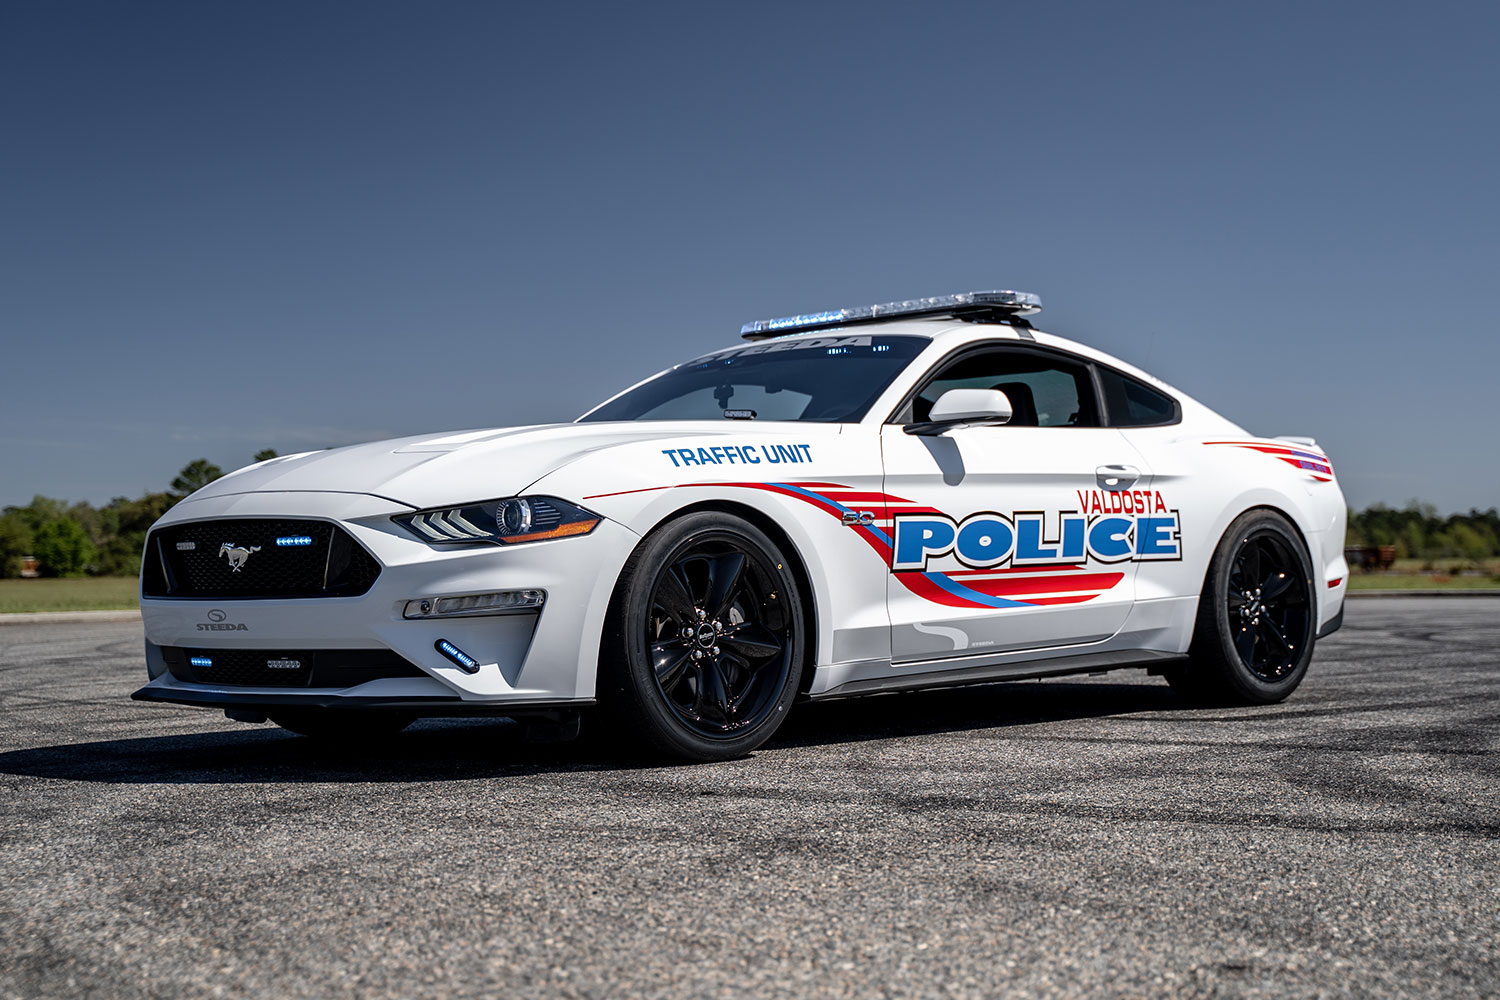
column 1256, row 616
column 342, row 725
column 704, row 645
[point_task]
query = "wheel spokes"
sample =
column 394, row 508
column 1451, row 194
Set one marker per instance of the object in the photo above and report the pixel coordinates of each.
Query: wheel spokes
column 724, row 575
column 1268, row 602
column 1249, row 563
column 746, row 674
column 1244, row 644
column 1275, row 585
column 718, row 661
column 669, row 658
column 713, row 693
column 752, row 642
column 1272, row 637
column 672, row 596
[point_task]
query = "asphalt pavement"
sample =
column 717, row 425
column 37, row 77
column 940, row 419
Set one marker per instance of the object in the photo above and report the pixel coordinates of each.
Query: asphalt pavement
column 1056, row 838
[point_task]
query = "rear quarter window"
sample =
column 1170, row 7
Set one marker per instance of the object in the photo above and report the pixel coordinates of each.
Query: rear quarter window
column 1132, row 403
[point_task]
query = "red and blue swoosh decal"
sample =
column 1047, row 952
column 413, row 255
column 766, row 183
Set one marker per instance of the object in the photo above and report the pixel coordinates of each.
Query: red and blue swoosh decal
column 1315, row 464
column 1029, row 586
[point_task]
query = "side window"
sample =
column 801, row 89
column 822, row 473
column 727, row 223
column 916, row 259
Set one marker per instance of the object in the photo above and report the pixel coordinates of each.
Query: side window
column 1132, row 403
column 1044, row 391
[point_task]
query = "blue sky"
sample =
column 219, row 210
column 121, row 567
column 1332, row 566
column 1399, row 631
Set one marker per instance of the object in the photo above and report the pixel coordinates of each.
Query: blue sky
column 225, row 227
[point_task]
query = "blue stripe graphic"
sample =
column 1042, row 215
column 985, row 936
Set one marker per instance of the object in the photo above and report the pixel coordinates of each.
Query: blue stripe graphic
column 957, row 589
column 831, row 503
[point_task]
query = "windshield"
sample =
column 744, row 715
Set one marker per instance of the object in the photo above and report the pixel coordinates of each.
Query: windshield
column 827, row 379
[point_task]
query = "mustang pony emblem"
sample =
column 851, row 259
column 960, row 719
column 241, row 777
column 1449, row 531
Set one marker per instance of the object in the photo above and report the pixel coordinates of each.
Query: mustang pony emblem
column 237, row 554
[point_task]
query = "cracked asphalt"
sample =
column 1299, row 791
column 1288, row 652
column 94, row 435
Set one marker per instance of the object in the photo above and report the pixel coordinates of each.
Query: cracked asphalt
column 1051, row 838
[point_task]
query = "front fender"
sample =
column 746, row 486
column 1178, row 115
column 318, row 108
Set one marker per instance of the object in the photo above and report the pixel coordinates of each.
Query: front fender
column 642, row 488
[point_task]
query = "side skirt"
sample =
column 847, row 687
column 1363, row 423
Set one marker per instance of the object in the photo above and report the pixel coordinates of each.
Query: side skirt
column 1081, row 663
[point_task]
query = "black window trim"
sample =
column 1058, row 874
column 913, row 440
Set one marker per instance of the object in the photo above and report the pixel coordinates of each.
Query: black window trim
column 1096, row 367
column 1101, row 405
column 982, row 347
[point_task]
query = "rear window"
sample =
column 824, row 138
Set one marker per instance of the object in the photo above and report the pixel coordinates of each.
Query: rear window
column 1133, row 403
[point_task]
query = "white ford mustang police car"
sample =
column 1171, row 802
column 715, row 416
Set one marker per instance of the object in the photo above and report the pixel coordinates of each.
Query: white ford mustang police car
column 908, row 495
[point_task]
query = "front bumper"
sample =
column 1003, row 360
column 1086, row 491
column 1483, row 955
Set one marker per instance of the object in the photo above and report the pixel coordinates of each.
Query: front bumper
column 366, row 696
column 533, row 658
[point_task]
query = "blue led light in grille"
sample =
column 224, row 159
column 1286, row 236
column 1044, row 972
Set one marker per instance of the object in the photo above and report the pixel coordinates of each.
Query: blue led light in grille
column 200, row 661
column 287, row 540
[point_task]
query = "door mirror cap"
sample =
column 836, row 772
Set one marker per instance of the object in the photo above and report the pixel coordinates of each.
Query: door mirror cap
column 964, row 408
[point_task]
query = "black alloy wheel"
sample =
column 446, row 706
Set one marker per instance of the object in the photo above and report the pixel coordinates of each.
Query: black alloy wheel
column 707, row 636
column 1268, row 606
column 717, row 637
column 1257, row 616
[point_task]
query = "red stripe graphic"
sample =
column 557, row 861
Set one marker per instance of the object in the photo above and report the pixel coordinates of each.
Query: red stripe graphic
column 1061, row 583
column 1017, row 586
column 1315, row 464
column 1047, row 568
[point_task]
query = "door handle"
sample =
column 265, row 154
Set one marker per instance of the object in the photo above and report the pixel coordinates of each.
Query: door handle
column 1116, row 477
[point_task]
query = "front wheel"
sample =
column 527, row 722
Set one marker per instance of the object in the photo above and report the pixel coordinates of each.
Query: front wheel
column 1256, row 620
column 705, row 641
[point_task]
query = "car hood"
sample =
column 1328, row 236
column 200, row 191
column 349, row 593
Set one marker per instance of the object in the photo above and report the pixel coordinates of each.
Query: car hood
column 435, row 470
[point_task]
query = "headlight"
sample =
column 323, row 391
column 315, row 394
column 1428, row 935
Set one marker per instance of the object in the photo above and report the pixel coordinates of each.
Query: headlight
column 508, row 521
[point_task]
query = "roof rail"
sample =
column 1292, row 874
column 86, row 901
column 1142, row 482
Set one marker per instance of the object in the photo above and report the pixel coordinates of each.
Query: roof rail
column 994, row 306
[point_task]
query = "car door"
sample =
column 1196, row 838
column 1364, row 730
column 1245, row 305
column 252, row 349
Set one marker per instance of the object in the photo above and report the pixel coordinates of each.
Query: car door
column 1011, row 537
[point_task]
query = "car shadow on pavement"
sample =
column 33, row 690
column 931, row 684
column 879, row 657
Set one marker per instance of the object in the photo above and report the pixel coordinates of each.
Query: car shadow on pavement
column 454, row 750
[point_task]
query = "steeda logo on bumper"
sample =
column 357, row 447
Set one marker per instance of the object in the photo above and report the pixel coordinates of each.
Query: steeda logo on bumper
column 216, row 623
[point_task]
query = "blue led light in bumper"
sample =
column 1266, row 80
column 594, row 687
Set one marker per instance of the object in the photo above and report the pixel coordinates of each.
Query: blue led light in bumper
column 200, row 661
column 457, row 655
column 287, row 540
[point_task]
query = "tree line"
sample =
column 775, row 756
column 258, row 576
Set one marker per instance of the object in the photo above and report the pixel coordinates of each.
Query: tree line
column 1417, row 532
column 83, row 540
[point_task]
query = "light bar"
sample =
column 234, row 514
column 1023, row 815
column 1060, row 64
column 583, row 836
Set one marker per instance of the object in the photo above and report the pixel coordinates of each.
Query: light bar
column 498, row 603
column 1000, row 303
column 294, row 540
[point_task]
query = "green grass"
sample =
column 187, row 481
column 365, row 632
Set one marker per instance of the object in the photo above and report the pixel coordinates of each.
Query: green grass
column 100, row 593
column 1440, row 567
column 1422, row 581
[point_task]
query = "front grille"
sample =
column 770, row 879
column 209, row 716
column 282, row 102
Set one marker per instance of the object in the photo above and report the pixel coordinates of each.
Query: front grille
column 319, row 668
column 249, row 558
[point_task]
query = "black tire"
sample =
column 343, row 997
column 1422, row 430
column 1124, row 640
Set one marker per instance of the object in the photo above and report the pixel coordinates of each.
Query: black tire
column 345, row 726
column 1257, row 616
column 705, row 641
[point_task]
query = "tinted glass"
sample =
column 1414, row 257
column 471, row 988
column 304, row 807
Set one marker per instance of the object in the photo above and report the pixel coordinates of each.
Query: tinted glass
column 1043, row 391
column 827, row 379
column 1133, row 403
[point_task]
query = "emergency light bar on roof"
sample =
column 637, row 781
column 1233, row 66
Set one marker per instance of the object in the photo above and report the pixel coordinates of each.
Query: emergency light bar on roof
column 977, row 305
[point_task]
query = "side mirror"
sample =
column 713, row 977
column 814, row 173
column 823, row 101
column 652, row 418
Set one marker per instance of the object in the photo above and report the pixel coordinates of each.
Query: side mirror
column 964, row 408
